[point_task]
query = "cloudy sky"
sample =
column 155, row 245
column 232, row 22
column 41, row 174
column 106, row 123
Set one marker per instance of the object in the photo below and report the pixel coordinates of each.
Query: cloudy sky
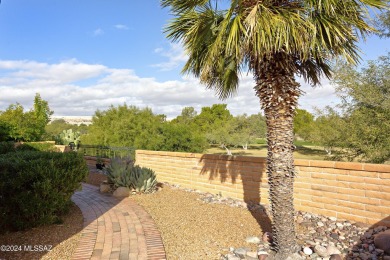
column 87, row 55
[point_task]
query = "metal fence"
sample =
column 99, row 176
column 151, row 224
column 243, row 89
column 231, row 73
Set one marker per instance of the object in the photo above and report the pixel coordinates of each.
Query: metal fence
column 106, row 151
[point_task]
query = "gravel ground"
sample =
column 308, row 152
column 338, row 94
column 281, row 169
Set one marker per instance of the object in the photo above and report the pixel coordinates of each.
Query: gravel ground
column 192, row 229
column 62, row 239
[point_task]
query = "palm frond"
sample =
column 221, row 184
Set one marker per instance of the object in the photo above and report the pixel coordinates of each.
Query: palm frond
column 309, row 33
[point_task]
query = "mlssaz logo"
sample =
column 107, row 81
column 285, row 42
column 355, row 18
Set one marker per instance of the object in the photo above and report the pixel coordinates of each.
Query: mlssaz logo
column 37, row 248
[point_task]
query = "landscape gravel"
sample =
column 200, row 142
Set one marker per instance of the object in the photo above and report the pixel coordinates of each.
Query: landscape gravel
column 197, row 225
column 194, row 229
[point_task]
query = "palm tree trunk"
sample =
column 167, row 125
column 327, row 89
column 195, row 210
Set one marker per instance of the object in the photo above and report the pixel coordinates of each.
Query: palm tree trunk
column 278, row 92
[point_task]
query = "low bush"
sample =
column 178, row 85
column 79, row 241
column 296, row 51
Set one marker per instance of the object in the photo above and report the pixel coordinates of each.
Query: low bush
column 36, row 187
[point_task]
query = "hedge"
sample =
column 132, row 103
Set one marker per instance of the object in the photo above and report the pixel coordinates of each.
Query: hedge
column 36, row 187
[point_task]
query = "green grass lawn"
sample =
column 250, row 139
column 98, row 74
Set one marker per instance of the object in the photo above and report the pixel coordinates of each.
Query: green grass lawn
column 301, row 152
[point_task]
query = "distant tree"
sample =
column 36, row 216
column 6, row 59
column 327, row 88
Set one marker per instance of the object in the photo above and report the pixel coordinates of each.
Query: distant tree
column 328, row 130
column 41, row 114
column 180, row 138
column 366, row 101
column 303, row 123
column 140, row 128
column 187, row 115
column 211, row 118
column 4, row 131
column 26, row 126
column 246, row 129
column 124, row 126
column 384, row 24
column 55, row 127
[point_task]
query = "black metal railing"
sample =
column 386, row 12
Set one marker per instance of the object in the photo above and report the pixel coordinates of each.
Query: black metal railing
column 106, row 151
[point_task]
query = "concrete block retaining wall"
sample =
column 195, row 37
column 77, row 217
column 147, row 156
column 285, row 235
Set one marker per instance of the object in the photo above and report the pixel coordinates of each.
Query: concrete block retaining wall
column 353, row 191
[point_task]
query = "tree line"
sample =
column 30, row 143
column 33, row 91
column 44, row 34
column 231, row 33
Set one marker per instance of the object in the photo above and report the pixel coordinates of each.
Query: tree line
column 356, row 129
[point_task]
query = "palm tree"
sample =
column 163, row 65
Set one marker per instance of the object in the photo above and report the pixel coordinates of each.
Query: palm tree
column 275, row 40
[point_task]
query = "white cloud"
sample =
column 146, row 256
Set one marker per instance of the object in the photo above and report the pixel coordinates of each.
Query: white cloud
column 73, row 88
column 121, row 27
column 98, row 32
column 175, row 55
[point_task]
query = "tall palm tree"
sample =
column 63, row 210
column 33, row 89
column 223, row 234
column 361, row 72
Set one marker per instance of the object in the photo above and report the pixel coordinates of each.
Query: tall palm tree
column 275, row 40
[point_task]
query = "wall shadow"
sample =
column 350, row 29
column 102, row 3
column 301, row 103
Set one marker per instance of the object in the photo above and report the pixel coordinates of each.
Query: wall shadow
column 229, row 169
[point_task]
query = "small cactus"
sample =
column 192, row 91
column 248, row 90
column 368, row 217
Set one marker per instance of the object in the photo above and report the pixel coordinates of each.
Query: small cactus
column 68, row 136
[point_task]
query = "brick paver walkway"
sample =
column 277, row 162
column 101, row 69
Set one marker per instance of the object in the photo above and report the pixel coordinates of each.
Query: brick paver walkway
column 115, row 229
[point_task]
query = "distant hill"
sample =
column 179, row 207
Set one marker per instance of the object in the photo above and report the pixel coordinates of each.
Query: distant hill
column 75, row 120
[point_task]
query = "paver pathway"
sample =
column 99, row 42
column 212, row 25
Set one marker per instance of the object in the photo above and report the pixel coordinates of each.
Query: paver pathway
column 115, row 229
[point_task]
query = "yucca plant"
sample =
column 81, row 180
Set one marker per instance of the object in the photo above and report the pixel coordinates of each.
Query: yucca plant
column 143, row 179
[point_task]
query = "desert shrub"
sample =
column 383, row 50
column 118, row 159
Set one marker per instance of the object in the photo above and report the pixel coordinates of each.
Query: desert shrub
column 36, row 187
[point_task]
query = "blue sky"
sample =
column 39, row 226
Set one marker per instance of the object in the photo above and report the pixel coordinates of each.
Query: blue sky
column 85, row 55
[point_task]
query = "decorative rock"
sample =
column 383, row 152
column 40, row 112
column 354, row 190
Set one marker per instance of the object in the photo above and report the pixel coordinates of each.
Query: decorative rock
column 251, row 254
column 263, row 256
column 321, row 251
column 332, row 250
column 240, row 252
column 311, row 243
column 232, row 257
column 253, row 240
column 295, row 256
column 320, row 224
column 307, row 250
column 104, row 187
column 299, row 219
column 267, row 237
column 382, row 241
column 333, row 219
column 364, row 256
column 335, row 257
column 121, row 192
column 339, row 225
column 379, row 251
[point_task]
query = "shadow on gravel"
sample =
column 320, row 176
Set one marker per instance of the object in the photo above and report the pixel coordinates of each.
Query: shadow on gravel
column 231, row 173
column 366, row 248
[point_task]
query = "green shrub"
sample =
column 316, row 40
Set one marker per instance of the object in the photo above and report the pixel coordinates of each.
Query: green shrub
column 36, row 187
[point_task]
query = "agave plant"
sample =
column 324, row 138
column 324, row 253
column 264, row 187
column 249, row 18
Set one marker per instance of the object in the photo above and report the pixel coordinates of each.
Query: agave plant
column 119, row 172
column 143, row 179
